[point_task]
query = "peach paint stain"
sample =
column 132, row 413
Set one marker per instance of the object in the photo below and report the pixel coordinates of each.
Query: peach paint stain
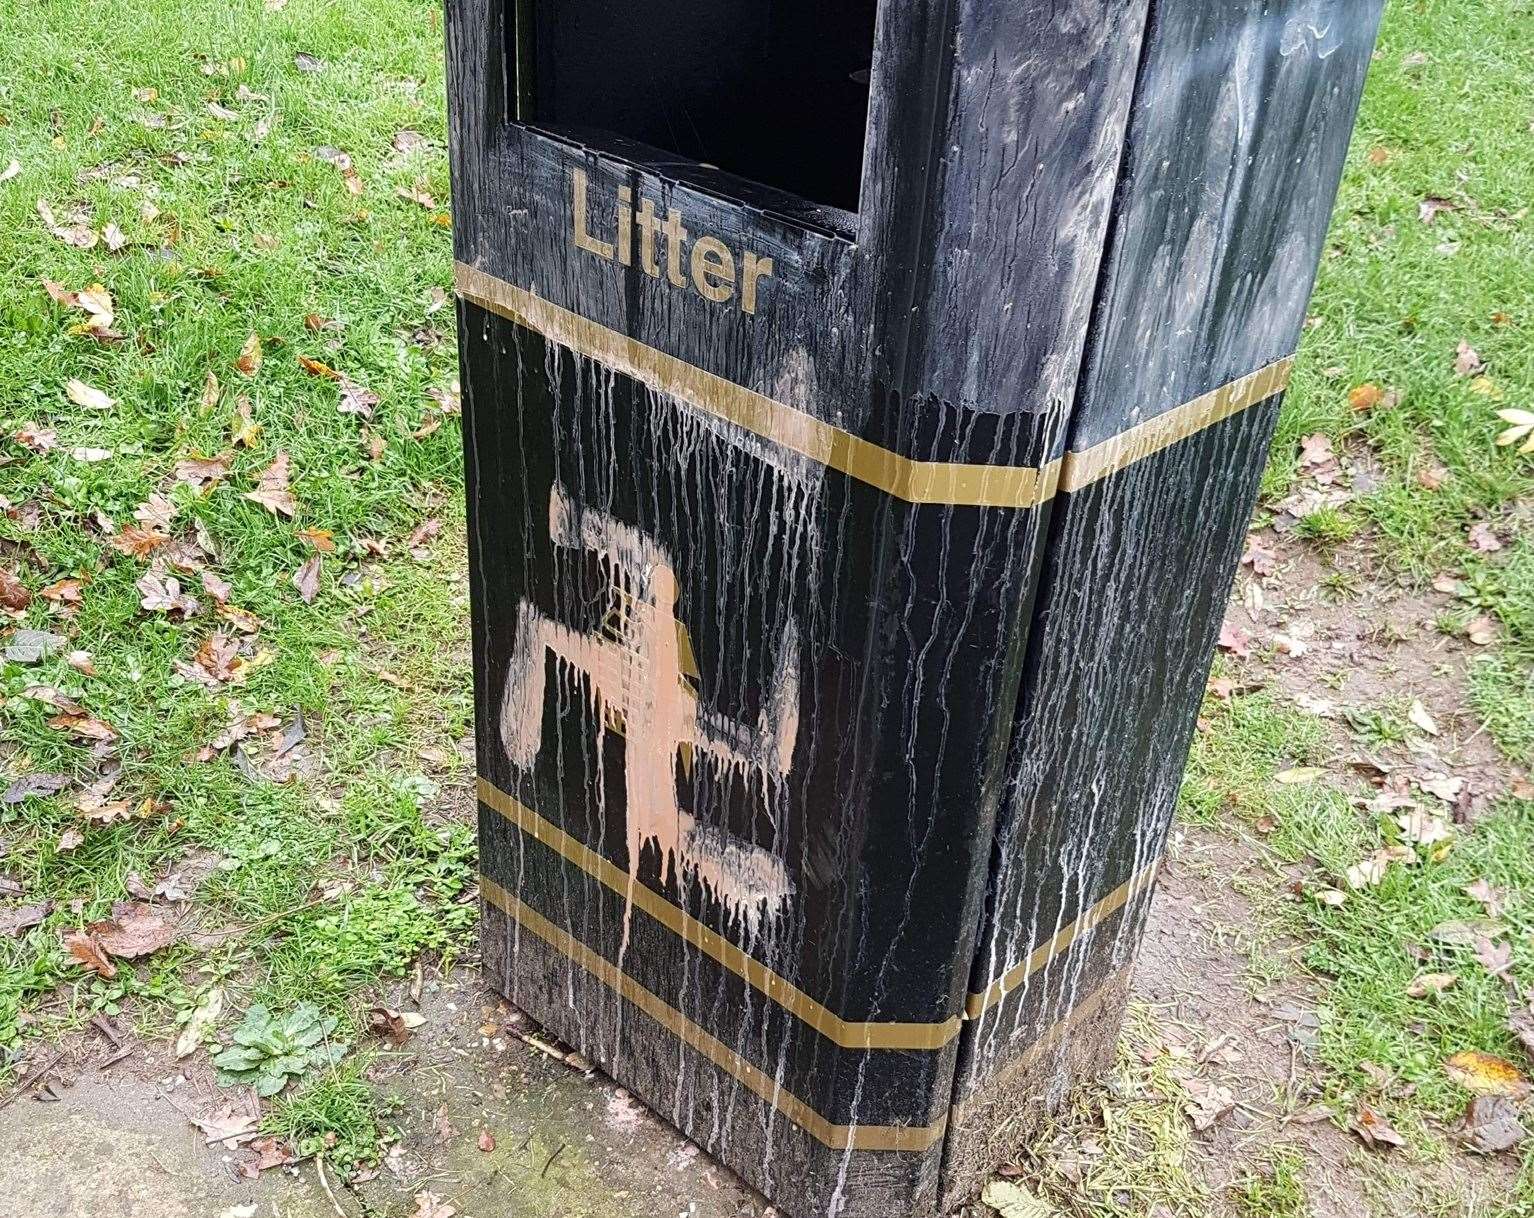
column 637, row 669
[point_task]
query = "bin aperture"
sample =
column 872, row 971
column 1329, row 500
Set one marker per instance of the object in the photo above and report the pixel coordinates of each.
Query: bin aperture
column 776, row 92
column 845, row 583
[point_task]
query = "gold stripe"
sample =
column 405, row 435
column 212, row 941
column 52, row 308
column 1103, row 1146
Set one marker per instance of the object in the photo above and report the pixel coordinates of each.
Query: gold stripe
column 849, row 1034
column 1151, row 436
column 979, row 1003
column 909, row 1138
column 914, row 481
column 1086, row 1009
column 1012, row 486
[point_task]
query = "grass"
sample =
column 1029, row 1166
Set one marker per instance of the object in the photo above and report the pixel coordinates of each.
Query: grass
column 1395, row 298
column 198, row 133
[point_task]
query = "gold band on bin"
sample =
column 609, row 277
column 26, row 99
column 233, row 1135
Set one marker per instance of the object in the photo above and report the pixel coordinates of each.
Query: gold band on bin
column 909, row 1138
column 849, row 1034
column 938, row 482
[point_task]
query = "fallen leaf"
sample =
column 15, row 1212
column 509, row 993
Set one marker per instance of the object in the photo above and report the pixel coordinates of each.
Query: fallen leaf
column 137, row 542
column 1490, row 1125
column 1522, row 426
column 64, row 592
column 1432, row 477
column 1365, row 397
column 1423, row 828
column 226, row 1123
column 38, row 784
column 1495, row 957
column 1428, row 209
column 307, row 580
column 1011, row 1200
column 1466, row 360
column 13, row 593
column 81, row 394
column 1482, row 631
column 1486, row 1074
column 1262, row 560
column 1373, row 1130
column 268, row 1153
column 1299, row 774
column 1235, row 640
column 248, row 362
column 1490, row 897
column 1419, row 717
column 393, row 1025
column 355, row 399
column 272, row 489
column 486, row 1141
column 163, row 594
column 1207, row 1102
column 1482, row 537
column 89, row 954
column 215, row 587
column 10, row 171
column 21, row 918
column 201, row 471
column 1316, row 449
column 84, row 726
column 1465, row 933
column 69, row 840
column 1430, row 983
column 156, row 512
column 429, row 1205
column 306, row 62
column 134, row 930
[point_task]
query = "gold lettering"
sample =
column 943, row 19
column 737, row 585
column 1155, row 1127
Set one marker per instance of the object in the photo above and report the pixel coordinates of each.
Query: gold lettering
column 625, row 226
column 755, row 268
column 675, row 235
column 583, row 239
column 713, row 269
column 648, row 224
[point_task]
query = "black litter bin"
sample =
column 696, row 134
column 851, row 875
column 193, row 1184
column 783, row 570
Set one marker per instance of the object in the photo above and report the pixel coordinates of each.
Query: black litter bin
column 864, row 406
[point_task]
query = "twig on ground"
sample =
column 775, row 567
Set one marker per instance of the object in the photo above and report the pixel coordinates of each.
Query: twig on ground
column 319, row 1166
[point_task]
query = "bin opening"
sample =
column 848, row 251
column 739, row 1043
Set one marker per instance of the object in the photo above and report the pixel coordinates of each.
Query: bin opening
column 775, row 91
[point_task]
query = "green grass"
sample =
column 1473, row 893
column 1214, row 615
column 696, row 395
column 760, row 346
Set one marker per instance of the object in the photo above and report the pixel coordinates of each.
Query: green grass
column 1395, row 298
column 1366, row 952
column 342, row 871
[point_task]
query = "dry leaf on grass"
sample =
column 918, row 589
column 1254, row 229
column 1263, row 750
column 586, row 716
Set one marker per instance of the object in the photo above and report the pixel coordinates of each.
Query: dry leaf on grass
column 248, row 362
column 272, row 490
column 1490, row 1125
column 1486, row 1074
column 1373, row 1130
column 134, row 930
column 307, row 579
column 89, row 954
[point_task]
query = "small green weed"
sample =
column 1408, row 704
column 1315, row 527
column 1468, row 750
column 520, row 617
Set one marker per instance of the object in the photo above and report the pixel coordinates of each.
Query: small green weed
column 335, row 1114
column 1276, row 1191
column 270, row 1050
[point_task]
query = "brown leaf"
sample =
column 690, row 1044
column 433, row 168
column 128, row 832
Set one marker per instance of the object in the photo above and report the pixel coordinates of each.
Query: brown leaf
column 1490, row 1125
column 272, row 490
column 1428, row 209
column 1431, row 477
column 247, row 430
column 21, row 918
column 218, row 657
column 1262, row 560
column 1316, row 449
column 421, row 535
column 318, row 368
column 13, row 593
column 307, row 580
column 1466, row 360
column 134, row 930
column 1365, row 397
column 215, row 587
column 321, row 539
column 393, row 1025
column 137, row 542
column 1483, row 538
column 163, row 594
column 429, row 1205
column 355, row 399
column 1235, row 640
column 249, row 360
column 1373, row 1130
column 69, row 840
column 89, row 954
column 1482, row 631
column 84, row 726
column 1430, row 983
column 156, row 512
column 486, row 1141
column 269, row 1153
column 65, row 592
column 201, row 471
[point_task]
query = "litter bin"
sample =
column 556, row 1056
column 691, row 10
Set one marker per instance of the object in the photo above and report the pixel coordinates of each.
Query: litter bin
column 863, row 406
